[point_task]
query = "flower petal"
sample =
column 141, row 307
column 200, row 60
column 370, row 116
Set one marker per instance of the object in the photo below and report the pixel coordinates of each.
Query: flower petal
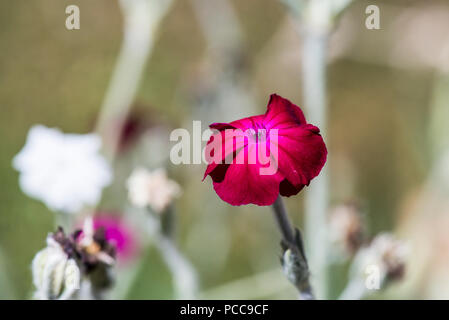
column 302, row 154
column 281, row 113
column 228, row 141
column 286, row 189
column 243, row 184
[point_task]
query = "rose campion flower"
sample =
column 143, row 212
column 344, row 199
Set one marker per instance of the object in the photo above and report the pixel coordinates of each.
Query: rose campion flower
column 65, row 171
column 280, row 139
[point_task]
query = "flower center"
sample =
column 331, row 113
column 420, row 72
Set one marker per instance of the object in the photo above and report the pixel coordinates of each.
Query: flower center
column 259, row 133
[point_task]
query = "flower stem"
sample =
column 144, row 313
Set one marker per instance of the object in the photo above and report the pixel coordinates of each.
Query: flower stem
column 283, row 221
column 185, row 279
column 317, row 195
column 184, row 275
column 141, row 21
column 355, row 290
column 316, row 18
column 293, row 259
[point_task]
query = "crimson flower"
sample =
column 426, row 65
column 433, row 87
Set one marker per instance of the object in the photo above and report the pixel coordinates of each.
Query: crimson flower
column 253, row 160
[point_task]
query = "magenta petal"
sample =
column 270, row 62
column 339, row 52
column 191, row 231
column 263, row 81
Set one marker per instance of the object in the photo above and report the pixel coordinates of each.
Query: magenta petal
column 248, row 123
column 221, row 126
column 302, row 154
column 230, row 141
column 281, row 113
column 243, row 184
column 286, row 189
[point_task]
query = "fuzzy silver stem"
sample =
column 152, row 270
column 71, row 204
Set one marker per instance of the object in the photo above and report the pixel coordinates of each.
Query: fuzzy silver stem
column 355, row 290
column 283, row 221
column 141, row 19
column 294, row 262
column 317, row 195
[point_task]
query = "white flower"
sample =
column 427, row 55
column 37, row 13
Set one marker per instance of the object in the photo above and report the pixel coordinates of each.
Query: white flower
column 55, row 275
column 65, row 171
column 152, row 189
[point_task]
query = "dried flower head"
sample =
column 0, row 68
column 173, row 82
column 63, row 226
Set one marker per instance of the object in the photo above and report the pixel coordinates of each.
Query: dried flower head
column 56, row 274
column 386, row 253
column 152, row 188
column 58, row 270
column 346, row 229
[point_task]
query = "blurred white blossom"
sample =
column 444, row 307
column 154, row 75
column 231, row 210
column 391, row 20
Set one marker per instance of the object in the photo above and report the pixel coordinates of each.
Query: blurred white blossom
column 55, row 275
column 65, row 171
column 152, row 188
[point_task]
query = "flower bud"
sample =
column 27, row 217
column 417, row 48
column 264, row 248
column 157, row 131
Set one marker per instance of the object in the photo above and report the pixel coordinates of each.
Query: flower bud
column 55, row 274
column 83, row 257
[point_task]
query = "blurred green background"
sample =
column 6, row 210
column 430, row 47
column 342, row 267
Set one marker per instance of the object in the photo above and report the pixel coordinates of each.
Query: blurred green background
column 383, row 87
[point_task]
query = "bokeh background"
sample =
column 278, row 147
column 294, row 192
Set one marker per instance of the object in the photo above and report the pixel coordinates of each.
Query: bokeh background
column 388, row 108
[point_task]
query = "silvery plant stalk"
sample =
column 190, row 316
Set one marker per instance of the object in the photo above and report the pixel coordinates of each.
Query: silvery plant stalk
column 294, row 261
column 185, row 278
column 226, row 93
column 153, row 193
column 317, row 196
column 141, row 19
column 315, row 19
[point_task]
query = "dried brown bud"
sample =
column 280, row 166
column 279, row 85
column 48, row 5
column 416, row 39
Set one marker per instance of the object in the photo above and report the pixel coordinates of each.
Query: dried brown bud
column 346, row 228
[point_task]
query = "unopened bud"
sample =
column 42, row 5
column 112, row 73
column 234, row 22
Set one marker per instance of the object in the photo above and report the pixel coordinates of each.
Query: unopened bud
column 55, row 275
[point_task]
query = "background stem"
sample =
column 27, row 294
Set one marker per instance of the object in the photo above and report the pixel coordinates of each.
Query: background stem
column 184, row 276
column 317, row 195
column 355, row 290
column 141, row 19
